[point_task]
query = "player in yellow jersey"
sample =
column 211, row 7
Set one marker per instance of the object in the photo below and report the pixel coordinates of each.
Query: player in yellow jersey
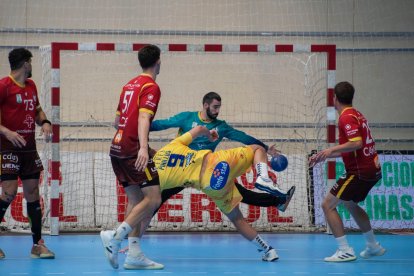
column 213, row 173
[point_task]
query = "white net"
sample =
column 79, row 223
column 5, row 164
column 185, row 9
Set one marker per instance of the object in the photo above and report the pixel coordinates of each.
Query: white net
column 281, row 99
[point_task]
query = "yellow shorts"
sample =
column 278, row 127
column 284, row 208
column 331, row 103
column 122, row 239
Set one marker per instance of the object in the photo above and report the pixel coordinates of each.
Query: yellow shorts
column 222, row 168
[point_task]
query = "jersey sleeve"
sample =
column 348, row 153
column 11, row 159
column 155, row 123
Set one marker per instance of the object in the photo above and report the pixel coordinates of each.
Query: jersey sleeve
column 240, row 136
column 174, row 121
column 149, row 98
column 349, row 125
column 3, row 93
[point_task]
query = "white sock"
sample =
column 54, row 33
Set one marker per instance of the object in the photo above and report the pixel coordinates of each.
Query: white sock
column 122, row 231
column 370, row 238
column 342, row 242
column 262, row 171
column 134, row 246
column 261, row 243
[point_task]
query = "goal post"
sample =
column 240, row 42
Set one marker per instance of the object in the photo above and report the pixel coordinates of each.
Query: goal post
column 190, row 210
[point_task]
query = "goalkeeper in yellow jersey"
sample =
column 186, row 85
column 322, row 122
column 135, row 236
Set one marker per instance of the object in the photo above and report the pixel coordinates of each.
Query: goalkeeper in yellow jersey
column 214, row 174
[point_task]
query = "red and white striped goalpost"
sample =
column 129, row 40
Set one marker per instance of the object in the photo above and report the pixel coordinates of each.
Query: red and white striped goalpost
column 58, row 47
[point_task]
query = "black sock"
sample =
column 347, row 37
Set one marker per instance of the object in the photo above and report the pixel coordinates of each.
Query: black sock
column 35, row 218
column 3, row 208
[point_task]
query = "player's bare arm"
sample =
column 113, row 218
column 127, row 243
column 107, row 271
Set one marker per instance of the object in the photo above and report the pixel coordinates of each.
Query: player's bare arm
column 116, row 121
column 44, row 123
column 143, row 132
column 334, row 152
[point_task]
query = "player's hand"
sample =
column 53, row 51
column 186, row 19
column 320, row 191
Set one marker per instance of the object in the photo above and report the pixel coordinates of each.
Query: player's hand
column 319, row 157
column 46, row 131
column 272, row 151
column 142, row 159
column 213, row 135
column 15, row 138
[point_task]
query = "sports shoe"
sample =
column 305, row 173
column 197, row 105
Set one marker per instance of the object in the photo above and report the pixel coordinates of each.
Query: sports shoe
column 141, row 262
column 267, row 185
column 2, row 255
column 111, row 247
column 270, row 255
column 342, row 255
column 282, row 207
column 40, row 251
column 369, row 251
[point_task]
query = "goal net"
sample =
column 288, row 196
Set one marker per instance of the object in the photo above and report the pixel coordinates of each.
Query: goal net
column 277, row 94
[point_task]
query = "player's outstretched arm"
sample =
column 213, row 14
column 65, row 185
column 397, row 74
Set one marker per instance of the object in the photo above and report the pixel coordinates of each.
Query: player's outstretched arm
column 174, row 121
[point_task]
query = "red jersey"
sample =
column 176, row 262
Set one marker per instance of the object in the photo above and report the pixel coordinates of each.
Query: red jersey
column 363, row 162
column 140, row 94
column 19, row 105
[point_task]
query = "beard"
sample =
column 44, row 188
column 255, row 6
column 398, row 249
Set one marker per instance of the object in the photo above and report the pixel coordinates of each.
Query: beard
column 211, row 115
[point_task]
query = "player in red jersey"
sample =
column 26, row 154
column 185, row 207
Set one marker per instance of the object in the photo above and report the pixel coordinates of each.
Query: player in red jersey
column 363, row 170
column 132, row 162
column 20, row 110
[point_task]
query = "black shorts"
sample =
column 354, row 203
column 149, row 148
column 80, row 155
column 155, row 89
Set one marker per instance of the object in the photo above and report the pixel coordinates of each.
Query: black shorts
column 20, row 164
column 127, row 174
column 352, row 188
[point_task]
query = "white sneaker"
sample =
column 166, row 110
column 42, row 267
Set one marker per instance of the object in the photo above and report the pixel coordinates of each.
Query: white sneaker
column 282, row 207
column 111, row 247
column 141, row 262
column 342, row 255
column 369, row 251
column 267, row 185
column 270, row 255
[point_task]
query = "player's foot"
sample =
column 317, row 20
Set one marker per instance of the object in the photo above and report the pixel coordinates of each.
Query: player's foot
column 282, row 207
column 342, row 255
column 2, row 255
column 270, row 255
column 267, row 185
column 111, row 247
column 40, row 251
column 370, row 251
column 141, row 262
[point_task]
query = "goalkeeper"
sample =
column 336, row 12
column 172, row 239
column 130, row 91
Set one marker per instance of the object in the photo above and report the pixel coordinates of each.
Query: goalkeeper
column 213, row 173
column 185, row 121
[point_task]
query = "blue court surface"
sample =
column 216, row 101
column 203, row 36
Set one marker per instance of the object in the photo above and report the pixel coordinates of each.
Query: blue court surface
column 209, row 254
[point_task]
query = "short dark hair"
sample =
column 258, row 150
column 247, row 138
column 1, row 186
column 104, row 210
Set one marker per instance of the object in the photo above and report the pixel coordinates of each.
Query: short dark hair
column 18, row 56
column 210, row 96
column 344, row 92
column 148, row 56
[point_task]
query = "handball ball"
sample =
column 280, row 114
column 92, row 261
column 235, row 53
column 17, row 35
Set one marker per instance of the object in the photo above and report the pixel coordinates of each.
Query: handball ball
column 279, row 163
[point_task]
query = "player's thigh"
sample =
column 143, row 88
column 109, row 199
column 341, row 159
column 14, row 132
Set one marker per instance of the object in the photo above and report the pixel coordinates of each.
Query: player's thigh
column 8, row 190
column 330, row 202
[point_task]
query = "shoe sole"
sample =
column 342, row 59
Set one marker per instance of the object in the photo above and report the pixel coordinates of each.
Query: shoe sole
column 272, row 260
column 380, row 253
column 34, row 256
column 268, row 190
column 284, row 206
column 102, row 234
column 341, row 260
column 135, row 267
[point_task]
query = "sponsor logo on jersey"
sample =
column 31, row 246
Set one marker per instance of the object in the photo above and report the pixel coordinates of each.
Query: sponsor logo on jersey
column 10, row 166
column 118, row 136
column 19, row 98
column 220, row 175
column 29, row 121
column 348, row 127
column 150, row 97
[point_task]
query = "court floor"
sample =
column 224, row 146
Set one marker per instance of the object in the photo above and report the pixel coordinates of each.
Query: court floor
column 209, row 254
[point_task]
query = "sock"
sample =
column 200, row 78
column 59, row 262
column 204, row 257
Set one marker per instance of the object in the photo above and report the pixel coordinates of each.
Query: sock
column 342, row 242
column 370, row 238
column 262, row 171
column 3, row 208
column 34, row 213
column 134, row 246
column 261, row 243
column 122, row 231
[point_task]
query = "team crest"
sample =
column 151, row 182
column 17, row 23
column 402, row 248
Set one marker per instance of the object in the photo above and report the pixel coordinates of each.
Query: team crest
column 118, row 136
column 150, row 97
column 19, row 98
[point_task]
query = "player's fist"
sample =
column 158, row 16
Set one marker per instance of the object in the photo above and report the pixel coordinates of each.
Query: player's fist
column 213, row 135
